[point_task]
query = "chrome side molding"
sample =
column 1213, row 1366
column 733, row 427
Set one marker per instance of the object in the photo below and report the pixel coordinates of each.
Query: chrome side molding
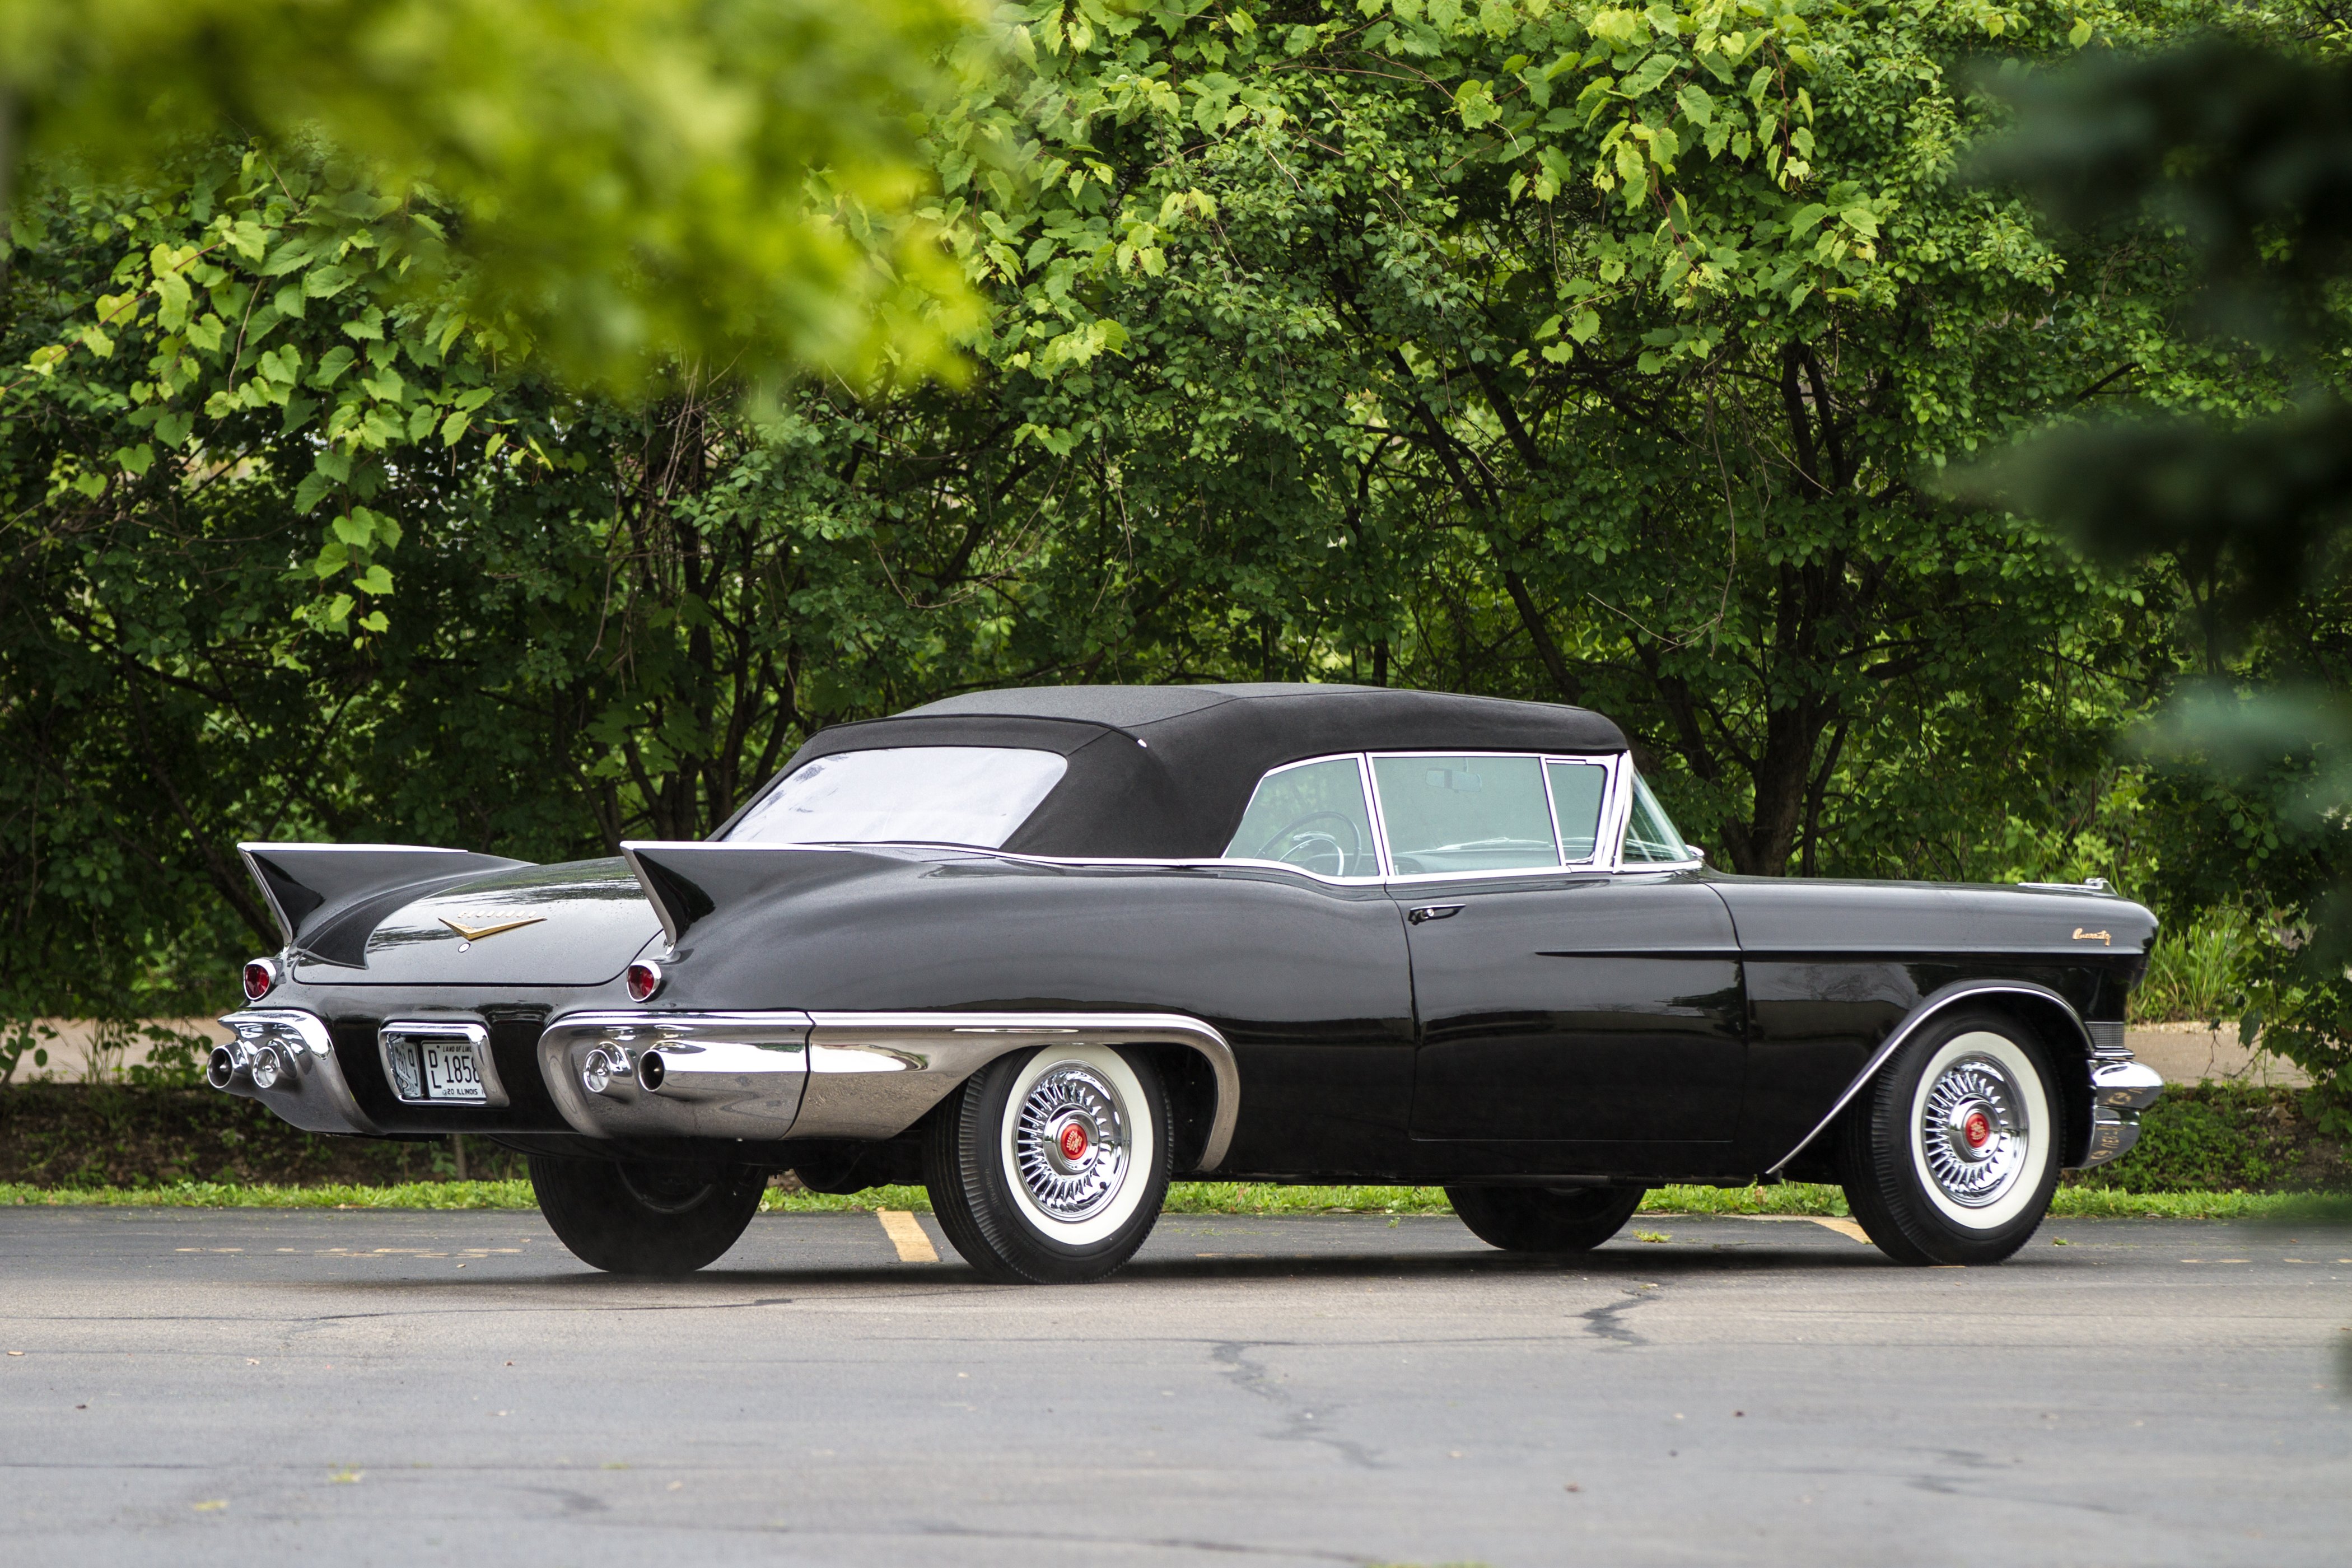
column 1946, row 998
column 284, row 1059
column 766, row 1076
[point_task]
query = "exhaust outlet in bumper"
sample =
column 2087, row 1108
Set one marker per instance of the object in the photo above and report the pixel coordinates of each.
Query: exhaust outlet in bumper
column 284, row 1059
column 700, row 1075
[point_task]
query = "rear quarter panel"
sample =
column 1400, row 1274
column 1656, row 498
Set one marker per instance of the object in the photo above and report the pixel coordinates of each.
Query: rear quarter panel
column 1309, row 982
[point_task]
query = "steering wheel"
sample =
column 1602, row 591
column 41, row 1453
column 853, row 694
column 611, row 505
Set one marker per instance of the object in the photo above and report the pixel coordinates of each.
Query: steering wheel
column 1298, row 838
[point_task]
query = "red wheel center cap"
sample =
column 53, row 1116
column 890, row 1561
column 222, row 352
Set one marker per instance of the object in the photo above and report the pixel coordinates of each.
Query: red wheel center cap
column 1074, row 1142
column 1977, row 1129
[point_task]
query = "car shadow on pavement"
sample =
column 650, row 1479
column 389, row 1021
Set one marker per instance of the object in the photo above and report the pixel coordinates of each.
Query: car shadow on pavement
column 1645, row 1263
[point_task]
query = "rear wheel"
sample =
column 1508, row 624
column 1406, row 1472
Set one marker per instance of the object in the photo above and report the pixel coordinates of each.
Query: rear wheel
column 1049, row 1168
column 1950, row 1155
column 1545, row 1219
column 640, row 1219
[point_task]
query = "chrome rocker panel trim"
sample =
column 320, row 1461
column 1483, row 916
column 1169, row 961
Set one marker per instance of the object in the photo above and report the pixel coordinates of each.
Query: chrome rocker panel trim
column 825, row 1075
column 308, row 1089
column 2100, row 1043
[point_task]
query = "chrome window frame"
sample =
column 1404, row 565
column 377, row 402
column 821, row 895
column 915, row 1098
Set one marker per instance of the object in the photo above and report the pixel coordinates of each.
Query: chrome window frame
column 1371, row 813
column 1609, row 842
column 1626, row 821
column 1616, row 811
column 1610, row 830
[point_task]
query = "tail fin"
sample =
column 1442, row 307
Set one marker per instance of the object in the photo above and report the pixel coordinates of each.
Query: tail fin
column 688, row 882
column 327, row 898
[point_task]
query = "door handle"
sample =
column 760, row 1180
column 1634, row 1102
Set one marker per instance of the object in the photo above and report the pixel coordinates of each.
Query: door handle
column 1431, row 912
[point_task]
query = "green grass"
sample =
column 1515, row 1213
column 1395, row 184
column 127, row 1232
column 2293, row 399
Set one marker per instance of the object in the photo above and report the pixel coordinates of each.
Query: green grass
column 1190, row 1198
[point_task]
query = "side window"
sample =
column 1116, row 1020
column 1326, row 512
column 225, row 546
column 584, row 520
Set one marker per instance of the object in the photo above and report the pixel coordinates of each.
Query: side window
column 1650, row 837
column 1311, row 816
column 1577, row 789
column 1464, row 814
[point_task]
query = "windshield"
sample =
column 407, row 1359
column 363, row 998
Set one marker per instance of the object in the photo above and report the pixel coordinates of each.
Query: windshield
column 1650, row 837
column 925, row 794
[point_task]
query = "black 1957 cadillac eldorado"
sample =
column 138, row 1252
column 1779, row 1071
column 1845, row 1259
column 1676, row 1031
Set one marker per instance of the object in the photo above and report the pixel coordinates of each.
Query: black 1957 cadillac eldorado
column 1043, row 949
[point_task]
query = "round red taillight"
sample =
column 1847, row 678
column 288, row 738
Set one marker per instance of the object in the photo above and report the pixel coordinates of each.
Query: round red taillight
column 645, row 978
column 260, row 978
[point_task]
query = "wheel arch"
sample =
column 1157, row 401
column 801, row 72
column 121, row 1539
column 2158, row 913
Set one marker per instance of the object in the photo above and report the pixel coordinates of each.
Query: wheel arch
column 2051, row 1018
column 876, row 1075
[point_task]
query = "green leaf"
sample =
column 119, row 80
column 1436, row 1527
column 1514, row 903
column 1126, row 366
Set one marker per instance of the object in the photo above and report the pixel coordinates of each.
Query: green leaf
column 331, row 365
column 310, row 491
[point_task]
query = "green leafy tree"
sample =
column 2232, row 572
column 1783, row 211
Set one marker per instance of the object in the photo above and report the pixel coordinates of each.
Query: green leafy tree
column 622, row 182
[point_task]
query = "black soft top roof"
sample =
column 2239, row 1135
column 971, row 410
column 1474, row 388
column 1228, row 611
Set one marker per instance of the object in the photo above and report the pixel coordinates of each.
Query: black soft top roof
column 1166, row 771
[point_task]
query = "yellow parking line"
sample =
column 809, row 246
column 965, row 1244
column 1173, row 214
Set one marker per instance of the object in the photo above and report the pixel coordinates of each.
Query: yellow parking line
column 1845, row 1228
column 907, row 1235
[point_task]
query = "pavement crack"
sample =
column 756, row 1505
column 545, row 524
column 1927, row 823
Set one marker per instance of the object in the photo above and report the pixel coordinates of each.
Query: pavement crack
column 1300, row 1425
column 1604, row 1323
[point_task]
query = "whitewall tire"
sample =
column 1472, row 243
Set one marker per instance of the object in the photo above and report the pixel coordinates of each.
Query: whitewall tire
column 1050, row 1166
column 1950, row 1153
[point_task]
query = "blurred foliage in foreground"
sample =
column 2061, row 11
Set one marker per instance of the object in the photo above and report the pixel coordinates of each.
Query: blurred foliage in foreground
column 2236, row 148
column 614, row 185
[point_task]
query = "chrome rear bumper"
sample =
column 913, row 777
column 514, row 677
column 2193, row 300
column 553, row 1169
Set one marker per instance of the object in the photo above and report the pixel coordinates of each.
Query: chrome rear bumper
column 767, row 1075
column 283, row 1059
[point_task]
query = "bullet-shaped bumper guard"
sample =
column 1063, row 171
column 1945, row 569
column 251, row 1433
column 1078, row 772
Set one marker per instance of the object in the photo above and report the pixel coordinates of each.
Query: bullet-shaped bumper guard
column 2121, row 1088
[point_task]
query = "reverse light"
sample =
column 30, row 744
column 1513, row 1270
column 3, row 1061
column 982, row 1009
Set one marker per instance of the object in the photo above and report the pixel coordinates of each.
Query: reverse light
column 260, row 978
column 645, row 978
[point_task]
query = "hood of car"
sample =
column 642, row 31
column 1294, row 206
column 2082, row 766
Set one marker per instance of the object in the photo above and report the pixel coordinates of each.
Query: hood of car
column 576, row 924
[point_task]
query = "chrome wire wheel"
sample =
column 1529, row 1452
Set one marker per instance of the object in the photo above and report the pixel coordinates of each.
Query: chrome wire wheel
column 1072, row 1141
column 1980, row 1131
column 1973, row 1131
column 1049, row 1165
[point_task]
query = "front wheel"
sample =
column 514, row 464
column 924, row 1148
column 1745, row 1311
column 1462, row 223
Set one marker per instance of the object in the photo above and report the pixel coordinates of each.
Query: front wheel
column 1049, row 1167
column 1544, row 1219
column 1951, row 1154
column 644, row 1218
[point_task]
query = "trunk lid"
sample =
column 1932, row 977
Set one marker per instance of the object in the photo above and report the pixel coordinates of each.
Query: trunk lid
column 576, row 924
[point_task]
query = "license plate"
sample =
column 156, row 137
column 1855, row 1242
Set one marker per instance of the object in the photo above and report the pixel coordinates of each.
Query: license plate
column 435, row 1066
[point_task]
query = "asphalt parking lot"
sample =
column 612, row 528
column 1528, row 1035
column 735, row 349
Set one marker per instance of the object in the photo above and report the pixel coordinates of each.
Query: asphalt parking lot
column 359, row 1387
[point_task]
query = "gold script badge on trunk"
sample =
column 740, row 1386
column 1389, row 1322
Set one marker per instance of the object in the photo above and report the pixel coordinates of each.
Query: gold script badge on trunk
column 468, row 935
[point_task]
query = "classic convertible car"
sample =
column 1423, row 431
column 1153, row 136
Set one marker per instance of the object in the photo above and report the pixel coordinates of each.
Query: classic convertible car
column 1043, row 949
